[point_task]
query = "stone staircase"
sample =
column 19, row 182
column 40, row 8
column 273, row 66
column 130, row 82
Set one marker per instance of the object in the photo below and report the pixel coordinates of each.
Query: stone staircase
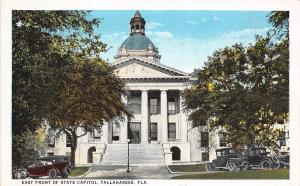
column 140, row 154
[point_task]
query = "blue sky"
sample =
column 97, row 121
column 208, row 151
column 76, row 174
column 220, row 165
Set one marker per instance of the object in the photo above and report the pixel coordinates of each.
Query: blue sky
column 184, row 38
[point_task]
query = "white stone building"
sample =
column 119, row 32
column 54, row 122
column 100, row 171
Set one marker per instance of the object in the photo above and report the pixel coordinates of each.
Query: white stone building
column 159, row 131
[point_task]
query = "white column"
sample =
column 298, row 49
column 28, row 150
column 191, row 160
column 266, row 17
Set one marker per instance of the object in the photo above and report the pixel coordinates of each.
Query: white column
column 145, row 117
column 105, row 134
column 164, row 116
column 183, row 123
column 123, row 125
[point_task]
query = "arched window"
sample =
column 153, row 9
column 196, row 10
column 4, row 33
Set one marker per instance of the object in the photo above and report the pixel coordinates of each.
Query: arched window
column 90, row 154
column 137, row 27
column 175, row 153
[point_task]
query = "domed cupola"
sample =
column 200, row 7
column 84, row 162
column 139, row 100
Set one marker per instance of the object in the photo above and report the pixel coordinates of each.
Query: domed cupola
column 138, row 44
column 137, row 24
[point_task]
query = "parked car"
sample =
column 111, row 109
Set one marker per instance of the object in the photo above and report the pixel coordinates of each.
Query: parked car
column 229, row 159
column 58, row 158
column 284, row 160
column 258, row 157
column 44, row 167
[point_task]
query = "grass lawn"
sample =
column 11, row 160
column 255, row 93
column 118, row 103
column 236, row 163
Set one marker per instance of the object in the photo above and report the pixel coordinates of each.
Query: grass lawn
column 187, row 168
column 77, row 171
column 250, row 174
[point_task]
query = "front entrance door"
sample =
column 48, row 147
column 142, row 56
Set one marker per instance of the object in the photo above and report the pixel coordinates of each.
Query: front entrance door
column 153, row 131
column 134, row 132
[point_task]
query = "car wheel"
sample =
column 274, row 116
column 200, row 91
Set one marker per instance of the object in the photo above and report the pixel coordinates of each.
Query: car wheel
column 64, row 174
column 22, row 174
column 231, row 166
column 266, row 164
column 245, row 167
column 52, row 173
column 210, row 167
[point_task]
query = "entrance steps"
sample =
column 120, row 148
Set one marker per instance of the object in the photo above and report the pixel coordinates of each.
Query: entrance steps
column 139, row 154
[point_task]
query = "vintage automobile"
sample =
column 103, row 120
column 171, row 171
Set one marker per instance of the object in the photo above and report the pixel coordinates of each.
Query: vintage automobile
column 229, row 159
column 259, row 158
column 42, row 167
column 58, row 158
column 284, row 160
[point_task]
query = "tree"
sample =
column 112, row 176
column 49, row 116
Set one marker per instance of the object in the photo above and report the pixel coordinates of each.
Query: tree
column 59, row 76
column 244, row 90
column 89, row 96
column 28, row 146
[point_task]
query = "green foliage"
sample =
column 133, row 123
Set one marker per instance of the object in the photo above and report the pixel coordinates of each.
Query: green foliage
column 27, row 147
column 59, row 76
column 188, row 168
column 280, row 22
column 78, row 171
column 244, row 90
column 252, row 174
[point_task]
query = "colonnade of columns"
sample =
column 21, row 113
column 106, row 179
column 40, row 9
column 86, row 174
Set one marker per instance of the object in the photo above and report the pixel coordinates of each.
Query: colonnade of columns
column 162, row 129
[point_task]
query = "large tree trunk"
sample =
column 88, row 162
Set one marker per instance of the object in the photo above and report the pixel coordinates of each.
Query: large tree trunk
column 73, row 147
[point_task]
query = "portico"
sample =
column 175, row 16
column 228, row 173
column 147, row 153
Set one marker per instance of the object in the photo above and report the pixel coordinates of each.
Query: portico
column 157, row 117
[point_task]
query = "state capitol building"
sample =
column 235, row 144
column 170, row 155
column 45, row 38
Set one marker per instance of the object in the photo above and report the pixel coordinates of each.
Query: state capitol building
column 159, row 132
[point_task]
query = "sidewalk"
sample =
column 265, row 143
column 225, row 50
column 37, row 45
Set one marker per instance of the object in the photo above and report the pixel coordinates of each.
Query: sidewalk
column 136, row 172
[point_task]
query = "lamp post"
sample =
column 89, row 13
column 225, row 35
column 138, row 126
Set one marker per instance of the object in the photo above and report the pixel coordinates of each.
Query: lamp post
column 128, row 141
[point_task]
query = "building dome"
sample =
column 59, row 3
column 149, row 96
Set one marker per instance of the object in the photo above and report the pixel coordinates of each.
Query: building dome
column 138, row 42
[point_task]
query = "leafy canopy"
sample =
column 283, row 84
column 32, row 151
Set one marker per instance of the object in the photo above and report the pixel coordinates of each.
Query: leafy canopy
column 244, row 90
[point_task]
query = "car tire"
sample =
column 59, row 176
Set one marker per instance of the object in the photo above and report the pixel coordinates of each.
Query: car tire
column 210, row 167
column 245, row 167
column 64, row 174
column 52, row 173
column 22, row 174
column 231, row 166
column 266, row 164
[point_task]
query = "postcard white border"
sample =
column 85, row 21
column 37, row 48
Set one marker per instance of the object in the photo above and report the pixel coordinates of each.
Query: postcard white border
column 5, row 76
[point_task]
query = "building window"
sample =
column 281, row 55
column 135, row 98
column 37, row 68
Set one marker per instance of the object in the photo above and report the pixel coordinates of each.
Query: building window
column 204, row 139
column 68, row 141
column 50, row 142
column 50, row 153
column 154, row 106
column 96, row 134
column 134, row 102
column 222, row 139
column 116, row 132
column 205, row 156
column 172, row 106
column 153, row 131
column 172, row 131
column 282, row 140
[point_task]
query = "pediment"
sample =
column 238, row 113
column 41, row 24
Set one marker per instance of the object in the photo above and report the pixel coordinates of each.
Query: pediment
column 135, row 68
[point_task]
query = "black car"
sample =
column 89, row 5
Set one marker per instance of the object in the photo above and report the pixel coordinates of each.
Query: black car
column 258, row 157
column 284, row 159
column 229, row 159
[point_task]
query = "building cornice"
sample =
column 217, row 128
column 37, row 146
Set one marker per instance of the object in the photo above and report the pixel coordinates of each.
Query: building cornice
column 156, row 64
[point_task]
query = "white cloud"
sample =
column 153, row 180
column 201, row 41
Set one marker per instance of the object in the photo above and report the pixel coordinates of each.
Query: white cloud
column 216, row 18
column 203, row 19
column 153, row 25
column 115, row 36
column 244, row 33
column 159, row 34
column 191, row 22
